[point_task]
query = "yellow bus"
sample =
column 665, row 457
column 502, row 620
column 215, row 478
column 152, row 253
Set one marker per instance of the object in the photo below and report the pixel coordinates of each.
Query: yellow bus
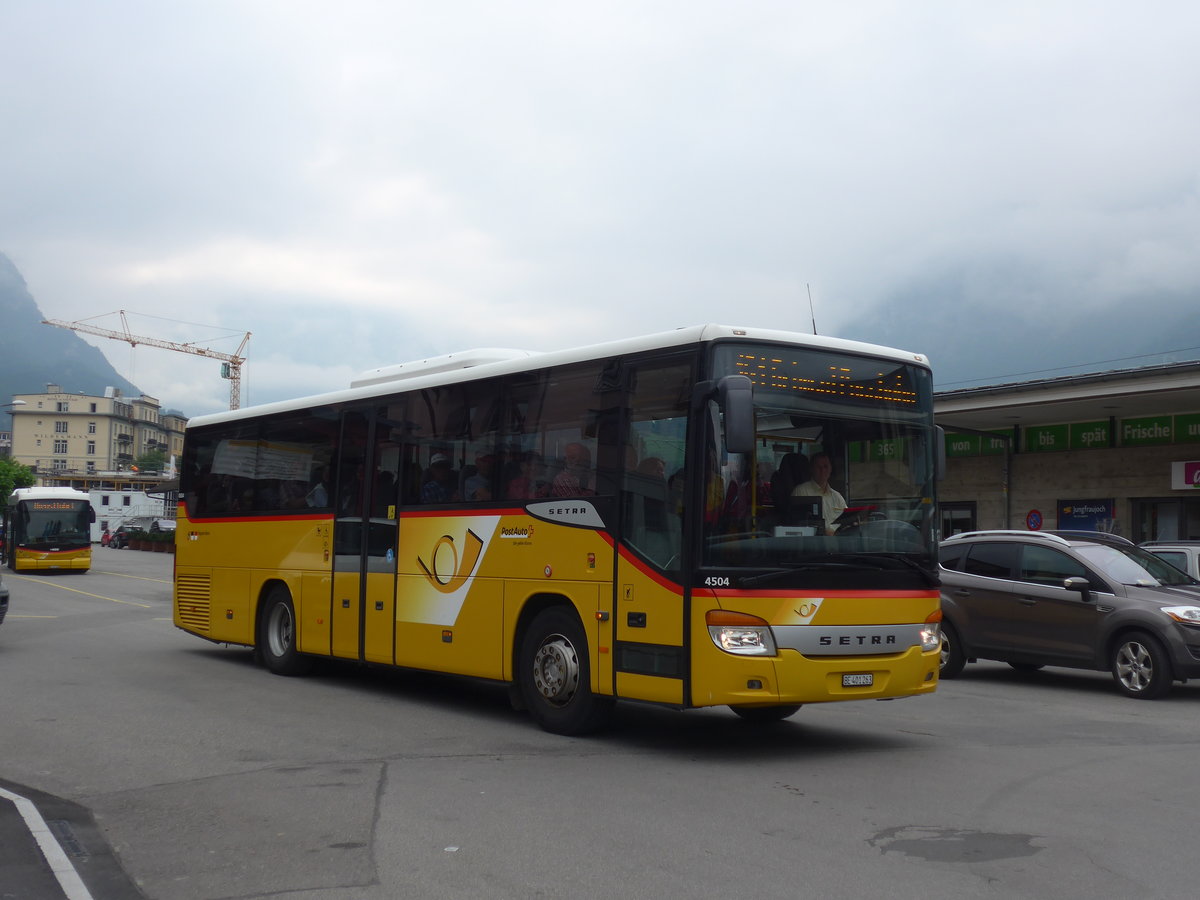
column 610, row 522
column 48, row 528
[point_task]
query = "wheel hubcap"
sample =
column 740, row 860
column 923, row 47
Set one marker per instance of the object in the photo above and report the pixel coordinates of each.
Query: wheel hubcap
column 556, row 670
column 944, row 656
column 1135, row 668
column 279, row 630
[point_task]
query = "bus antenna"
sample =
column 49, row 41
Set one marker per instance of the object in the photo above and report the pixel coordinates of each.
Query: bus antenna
column 811, row 311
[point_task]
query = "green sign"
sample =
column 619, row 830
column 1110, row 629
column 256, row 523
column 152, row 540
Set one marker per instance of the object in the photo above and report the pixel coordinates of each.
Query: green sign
column 1089, row 435
column 1187, row 429
column 1046, row 439
column 1144, row 432
column 963, row 445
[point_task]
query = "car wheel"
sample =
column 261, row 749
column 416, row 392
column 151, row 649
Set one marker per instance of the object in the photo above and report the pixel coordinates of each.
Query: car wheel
column 277, row 635
column 555, row 676
column 953, row 659
column 1140, row 666
column 764, row 715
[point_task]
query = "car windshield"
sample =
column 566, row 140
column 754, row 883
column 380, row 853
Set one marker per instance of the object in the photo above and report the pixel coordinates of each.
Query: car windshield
column 1133, row 565
column 842, row 469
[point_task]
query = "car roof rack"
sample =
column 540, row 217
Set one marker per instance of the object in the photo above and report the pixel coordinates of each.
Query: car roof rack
column 1100, row 537
column 1008, row 532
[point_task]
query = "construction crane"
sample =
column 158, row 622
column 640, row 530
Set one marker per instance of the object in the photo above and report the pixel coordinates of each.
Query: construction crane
column 231, row 367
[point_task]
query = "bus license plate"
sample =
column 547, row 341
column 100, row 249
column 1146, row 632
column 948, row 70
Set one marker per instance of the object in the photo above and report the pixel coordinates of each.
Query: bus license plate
column 866, row 680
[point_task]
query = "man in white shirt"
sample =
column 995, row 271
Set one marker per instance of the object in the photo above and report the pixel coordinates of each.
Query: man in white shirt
column 833, row 504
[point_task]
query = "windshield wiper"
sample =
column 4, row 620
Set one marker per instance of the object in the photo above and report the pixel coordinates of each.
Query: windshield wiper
column 906, row 560
column 776, row 574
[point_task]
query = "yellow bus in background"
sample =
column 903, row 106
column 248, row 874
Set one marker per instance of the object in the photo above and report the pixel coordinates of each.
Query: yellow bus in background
column 610, row 522
column 48, row 528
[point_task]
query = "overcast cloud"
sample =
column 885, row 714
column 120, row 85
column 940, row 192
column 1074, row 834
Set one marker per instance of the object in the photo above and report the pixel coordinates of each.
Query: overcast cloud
column 363, row 183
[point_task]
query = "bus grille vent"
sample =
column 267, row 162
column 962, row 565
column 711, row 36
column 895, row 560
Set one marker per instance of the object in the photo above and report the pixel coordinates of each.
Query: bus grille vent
column 193, row 602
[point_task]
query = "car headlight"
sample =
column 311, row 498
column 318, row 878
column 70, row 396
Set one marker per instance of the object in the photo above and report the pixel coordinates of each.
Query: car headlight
column 740, row 633
column 1186, row 615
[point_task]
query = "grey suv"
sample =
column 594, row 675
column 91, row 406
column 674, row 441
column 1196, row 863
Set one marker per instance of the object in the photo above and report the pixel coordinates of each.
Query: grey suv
column 1080, row 599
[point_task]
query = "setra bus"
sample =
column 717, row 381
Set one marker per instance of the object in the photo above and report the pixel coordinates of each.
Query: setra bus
column 48, row 528
column 622, row 521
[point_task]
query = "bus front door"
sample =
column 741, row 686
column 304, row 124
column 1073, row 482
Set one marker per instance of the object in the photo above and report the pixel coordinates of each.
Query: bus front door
column 364, row 577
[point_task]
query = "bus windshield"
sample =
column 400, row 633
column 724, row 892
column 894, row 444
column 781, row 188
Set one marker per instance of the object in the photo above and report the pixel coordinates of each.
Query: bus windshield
column 843, row 466
column 54, row 522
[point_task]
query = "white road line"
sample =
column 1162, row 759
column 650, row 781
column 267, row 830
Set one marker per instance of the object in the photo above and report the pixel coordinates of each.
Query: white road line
column 68, row 879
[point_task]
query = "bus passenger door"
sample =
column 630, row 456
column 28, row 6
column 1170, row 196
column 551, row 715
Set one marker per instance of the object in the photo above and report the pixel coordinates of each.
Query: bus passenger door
column 650, row 652
column 364, row 569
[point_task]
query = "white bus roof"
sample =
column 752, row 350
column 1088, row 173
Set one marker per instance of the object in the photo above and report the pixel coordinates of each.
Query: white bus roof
column 47, row 493
column 455, row 367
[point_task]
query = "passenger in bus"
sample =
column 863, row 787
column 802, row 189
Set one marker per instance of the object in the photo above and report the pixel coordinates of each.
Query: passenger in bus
column 318, row 495
column 478, row 485
column 439, row 481
column 833, row 504
column 575, row 480
column 529, row 482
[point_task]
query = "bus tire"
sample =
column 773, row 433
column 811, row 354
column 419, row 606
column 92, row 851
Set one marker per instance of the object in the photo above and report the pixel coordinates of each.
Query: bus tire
column 764, row 715
column 277, row 635
column 554, row 675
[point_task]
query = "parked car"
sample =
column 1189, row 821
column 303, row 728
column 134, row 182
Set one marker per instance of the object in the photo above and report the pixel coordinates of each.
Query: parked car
column 1183, row 555
column 3, row 598
column 119, row 539
column 162, row 525
column 1085, row 600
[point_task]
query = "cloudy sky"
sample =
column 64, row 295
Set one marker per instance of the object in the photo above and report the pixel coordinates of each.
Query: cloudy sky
column 361, row 183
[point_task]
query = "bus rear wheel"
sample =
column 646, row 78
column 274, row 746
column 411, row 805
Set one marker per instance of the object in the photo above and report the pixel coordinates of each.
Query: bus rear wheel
column 554, row 675
column 277, row 635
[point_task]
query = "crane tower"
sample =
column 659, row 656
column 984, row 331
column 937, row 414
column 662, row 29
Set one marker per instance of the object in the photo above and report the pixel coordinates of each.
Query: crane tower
column 232, row 362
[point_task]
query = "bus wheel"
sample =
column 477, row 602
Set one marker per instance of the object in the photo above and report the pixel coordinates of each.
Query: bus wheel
column 554, row 675
column 763, row 715
column 277, row 635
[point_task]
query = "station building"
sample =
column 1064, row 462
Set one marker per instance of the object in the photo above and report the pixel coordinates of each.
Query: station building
column 1116, row 451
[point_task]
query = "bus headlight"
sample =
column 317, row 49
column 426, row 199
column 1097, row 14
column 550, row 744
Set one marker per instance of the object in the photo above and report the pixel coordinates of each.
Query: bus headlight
column 740, row 633
column 931, row 633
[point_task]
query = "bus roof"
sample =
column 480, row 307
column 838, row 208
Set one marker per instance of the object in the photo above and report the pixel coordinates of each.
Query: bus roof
column 47, row 493
column 472, row 364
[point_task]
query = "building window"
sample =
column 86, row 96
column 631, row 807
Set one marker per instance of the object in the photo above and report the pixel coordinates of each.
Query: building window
column 93, row 407
column 61, row 427
column 91, row 427
column 60, row 465
column 91, row 467
column 63, row 406
column 125, row 500
column 60, row 446
column 91, row 448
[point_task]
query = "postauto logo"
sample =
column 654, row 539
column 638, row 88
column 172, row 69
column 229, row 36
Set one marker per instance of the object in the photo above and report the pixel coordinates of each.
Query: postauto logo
column 449, row 569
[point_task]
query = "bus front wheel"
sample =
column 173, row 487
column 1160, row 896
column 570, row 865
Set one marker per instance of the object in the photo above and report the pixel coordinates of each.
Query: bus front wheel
column 555, row 677
column 277, row 635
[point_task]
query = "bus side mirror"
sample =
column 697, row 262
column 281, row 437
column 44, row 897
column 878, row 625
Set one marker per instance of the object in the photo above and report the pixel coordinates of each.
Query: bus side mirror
column 940, row 452
column 736, row 397
column 91, row 514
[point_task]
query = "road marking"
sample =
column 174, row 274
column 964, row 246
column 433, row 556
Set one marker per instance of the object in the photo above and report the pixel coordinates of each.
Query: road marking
column 135, row 577
column 60, row 865
column 62, row 587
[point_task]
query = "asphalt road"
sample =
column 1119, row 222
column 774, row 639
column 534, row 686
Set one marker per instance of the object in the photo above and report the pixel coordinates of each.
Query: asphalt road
column 168, row 768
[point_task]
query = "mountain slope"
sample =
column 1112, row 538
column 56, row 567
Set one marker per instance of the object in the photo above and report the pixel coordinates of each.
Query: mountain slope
column 33, row 355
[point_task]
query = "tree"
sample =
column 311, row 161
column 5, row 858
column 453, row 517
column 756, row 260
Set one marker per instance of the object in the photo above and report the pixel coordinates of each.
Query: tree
column 151, row 461
column 13, row 475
